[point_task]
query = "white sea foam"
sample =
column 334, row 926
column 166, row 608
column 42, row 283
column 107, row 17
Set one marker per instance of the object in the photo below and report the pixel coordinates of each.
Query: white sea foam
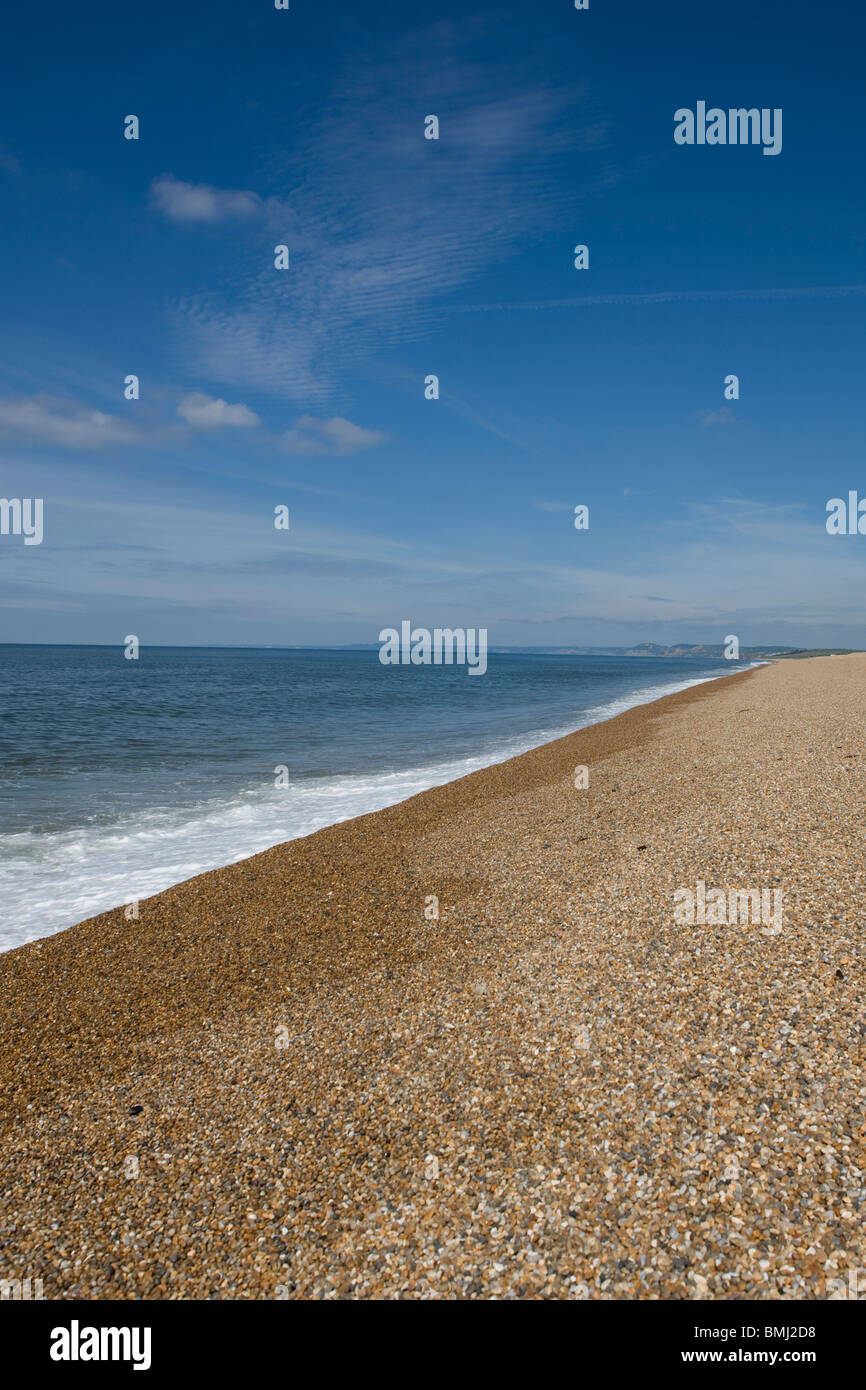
column 50, row 881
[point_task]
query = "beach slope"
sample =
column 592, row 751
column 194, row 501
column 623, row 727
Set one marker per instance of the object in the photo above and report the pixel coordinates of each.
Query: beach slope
column 463, row 1047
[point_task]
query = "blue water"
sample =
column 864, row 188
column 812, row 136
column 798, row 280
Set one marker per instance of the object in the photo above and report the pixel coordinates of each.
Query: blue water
column 119, row 778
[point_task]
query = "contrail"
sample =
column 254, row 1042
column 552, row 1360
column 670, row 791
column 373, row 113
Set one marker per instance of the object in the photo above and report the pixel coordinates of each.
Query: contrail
column 668, row 297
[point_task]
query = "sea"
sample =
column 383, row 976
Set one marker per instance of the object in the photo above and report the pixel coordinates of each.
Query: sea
column 119, row 777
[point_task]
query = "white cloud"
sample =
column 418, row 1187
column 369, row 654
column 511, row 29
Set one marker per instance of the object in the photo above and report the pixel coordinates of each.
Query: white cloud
column 334, row 436
column 208, row 413
column 45, row 420
column 200, row 202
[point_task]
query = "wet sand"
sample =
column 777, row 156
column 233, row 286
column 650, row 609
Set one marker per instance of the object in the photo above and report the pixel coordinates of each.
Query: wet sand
column 285, row 1080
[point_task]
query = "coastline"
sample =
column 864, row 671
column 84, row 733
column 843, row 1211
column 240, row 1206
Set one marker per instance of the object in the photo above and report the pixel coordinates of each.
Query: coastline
column 583, row 1071
column 93, row 861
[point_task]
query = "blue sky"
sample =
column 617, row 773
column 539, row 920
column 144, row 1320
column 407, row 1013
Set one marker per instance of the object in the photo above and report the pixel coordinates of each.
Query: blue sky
column 305, row 387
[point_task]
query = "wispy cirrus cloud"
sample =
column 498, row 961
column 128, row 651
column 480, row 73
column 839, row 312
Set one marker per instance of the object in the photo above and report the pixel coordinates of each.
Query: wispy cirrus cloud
column 47, row 420
column 382, row 224
column 201, row 202
column 672, row 297
column 733, row 565
column 206, row 412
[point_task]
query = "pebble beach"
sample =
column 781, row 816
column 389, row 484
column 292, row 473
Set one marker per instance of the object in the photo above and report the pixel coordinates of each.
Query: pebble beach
column 461, row 1048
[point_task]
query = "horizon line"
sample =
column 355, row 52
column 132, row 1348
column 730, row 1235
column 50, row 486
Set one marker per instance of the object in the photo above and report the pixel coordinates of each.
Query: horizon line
column 578, row 648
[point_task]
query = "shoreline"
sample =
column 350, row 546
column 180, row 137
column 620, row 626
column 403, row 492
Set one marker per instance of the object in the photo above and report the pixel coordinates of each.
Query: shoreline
column 343, row 1097
column 379, row 792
